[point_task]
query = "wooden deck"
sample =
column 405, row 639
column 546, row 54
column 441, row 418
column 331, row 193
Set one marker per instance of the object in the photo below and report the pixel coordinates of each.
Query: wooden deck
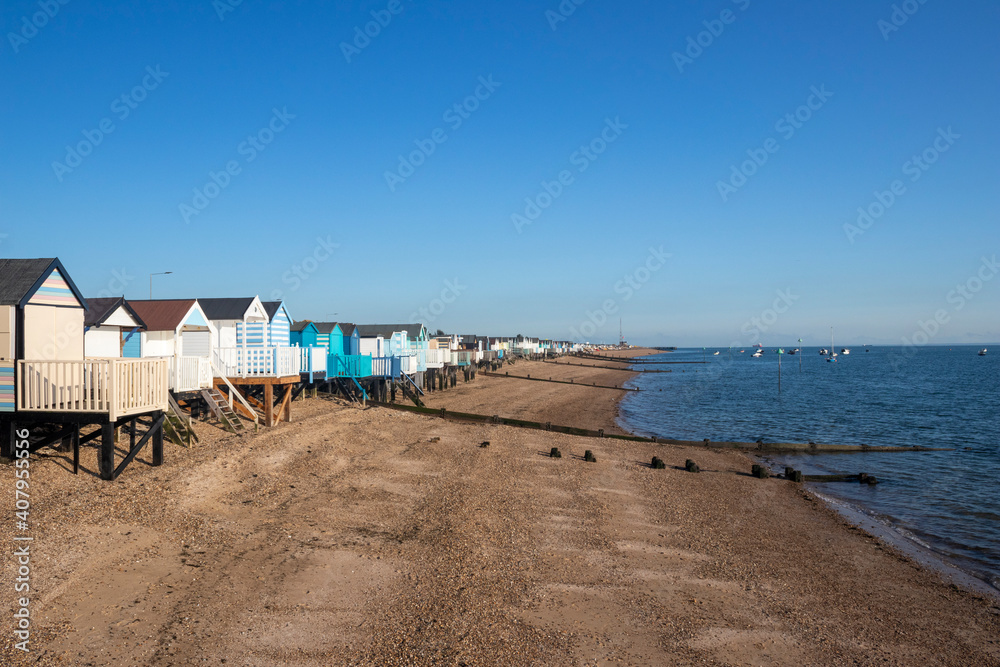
column 251, row 362
column 113, row 387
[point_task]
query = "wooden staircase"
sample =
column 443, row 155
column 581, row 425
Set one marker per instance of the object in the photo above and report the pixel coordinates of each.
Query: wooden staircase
column 177, row 424
column 219, row 407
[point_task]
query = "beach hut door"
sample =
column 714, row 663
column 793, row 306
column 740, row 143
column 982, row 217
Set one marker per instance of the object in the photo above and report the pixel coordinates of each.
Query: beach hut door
column 196, row 343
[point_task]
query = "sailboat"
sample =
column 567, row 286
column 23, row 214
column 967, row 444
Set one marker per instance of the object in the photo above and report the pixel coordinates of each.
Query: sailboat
column 833, row 355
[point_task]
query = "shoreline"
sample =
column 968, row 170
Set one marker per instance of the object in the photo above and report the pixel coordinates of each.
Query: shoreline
column 923, row 555
column 368, row 536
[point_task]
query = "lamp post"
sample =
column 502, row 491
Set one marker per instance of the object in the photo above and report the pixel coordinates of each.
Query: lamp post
column 162, row 273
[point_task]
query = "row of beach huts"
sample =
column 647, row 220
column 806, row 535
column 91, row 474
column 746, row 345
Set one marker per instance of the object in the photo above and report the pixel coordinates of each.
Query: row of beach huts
column 147, row 367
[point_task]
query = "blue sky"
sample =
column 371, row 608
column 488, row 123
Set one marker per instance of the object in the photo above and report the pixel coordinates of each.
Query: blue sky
column 767, row 259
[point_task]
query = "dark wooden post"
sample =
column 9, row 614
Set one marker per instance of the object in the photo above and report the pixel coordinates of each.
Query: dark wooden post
column 75, row 439
column 106, row 455
column 158, row 440
column 7, row 438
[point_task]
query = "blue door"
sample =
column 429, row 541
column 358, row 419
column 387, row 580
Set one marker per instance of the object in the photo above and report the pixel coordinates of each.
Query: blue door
column 131, row 344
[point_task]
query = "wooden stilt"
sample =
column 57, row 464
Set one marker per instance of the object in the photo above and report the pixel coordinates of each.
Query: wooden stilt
column 106, row 455
column 76, row 449
column 157, row 439
column 7, row 438
column 269, row 405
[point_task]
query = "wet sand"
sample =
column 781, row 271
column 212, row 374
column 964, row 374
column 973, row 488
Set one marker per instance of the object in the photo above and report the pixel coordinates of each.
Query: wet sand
column 376, row 537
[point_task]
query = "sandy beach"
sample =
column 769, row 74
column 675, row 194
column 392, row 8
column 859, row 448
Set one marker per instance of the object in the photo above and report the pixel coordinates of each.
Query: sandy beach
column 374, row 537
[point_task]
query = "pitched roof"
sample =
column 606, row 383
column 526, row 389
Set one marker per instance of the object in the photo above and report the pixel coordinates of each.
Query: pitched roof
column 226, row 309
column 386, row 330
column 271, row 308
column 348, row 328
column 19, row 278
column 100, row 308
column 162, row 314
column 301, row 325
column 325, row 327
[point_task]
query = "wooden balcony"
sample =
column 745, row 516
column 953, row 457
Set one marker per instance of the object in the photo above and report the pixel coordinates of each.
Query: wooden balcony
column 190, row 373
column 258, row 362
column 313, row 362
column 113, row 387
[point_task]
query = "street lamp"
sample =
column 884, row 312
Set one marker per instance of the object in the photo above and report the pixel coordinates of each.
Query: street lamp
column 162, row 273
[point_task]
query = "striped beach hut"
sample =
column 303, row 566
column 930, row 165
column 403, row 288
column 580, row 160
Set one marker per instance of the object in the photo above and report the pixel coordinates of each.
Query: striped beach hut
column 330, row 336
column 239, row 322
column 278, row 323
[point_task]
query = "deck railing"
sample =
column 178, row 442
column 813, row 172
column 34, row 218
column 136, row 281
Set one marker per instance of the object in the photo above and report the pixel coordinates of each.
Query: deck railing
column 462, row 357
column 408, row 364
column 382, row 367
column 117, row 387
column 190, row 373
column 251, row 362
column 420, row 353
column 438, row 358
column 312, row 359
column 349, row 365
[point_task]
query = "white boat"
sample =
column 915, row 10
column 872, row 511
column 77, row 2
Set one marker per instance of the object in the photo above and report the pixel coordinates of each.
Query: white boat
column 715, row 354
column 844, row 350
column 758, row 353
column 982, row 352
column 824, row 351
column 833, row 355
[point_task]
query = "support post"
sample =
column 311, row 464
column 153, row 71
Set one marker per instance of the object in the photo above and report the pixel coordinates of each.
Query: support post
column 7, row 438
column 106, row 454
column 158, row 439
column 75, row 438
column 269, row 405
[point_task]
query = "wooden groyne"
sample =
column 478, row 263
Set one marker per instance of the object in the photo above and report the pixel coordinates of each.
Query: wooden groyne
column 785, row 447
column 609, row 368
column 570, row 382
column 637, row 361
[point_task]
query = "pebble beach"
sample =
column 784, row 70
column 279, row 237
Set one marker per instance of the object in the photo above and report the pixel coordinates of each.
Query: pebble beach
column 365, row 536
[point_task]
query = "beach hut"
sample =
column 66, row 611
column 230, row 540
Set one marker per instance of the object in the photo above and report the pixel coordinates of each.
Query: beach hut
column 238, row 322
column 438, row 353
column 352, row 339
column 180, row 330
column 304, row 334
column 278, row 323
column 243, row 344
column 46, row 380
column 112, row 328
column 315, row 357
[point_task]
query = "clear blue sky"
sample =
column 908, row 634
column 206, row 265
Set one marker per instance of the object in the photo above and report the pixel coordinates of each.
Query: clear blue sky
column 551, row 91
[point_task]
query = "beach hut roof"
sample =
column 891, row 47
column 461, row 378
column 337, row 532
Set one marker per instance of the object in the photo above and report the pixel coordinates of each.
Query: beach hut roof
column 348, row 328
column 162, row 314
column 302, row 325
column 271, row 308
column 325, row 327
column 101, row 308
column 226, row 309
column 21, row 278
column 386, row 330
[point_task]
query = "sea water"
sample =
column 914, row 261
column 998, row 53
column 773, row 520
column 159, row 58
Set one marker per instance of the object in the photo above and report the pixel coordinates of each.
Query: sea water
column 934, row 396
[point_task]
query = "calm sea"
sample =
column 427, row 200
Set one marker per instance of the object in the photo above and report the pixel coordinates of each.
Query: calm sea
column 937, row 397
